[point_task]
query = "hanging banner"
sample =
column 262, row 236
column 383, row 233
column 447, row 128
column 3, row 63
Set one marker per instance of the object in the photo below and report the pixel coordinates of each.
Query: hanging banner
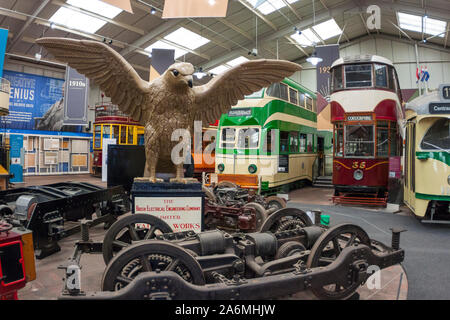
column 329, row 54
column 3, row 40
column 194, row 8
column 161, row 60
column 30, row 98
column 76, row 97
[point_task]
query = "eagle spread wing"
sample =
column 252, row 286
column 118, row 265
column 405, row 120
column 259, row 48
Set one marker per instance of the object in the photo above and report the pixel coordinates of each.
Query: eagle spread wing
column 115, row 76
column 225, row 90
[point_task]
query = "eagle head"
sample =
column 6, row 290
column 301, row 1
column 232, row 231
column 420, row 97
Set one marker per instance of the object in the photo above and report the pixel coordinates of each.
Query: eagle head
column 179, row 75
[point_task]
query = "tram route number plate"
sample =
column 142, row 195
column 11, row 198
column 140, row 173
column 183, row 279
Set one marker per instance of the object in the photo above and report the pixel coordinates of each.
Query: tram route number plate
column 180, row 213
column 438, row 108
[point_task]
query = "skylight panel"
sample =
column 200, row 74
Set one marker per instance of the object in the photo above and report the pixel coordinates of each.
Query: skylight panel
column 434, row 27
column 76, row 20
column 163, row 45
column 269, row 6
column 306, row 38
column 410, row 22
column 327, row 29
column 237, row 61
column 220, row 69
column 187, row 38
column 96, row 6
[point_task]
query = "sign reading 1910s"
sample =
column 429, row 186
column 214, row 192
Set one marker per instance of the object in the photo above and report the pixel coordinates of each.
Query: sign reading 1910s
column 180, row 213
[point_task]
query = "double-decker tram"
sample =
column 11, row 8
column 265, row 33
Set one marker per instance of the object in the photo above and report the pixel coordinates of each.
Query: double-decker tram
column 366, row 112
column 111, row 123
column 268, row 141
column 427, row 156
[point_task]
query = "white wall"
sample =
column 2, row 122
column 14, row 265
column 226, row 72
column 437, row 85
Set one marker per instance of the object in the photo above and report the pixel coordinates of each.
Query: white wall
column 400, row 53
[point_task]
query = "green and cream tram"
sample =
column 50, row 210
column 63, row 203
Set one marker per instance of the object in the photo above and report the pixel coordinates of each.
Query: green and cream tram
column 269, row 140
column 427, row 156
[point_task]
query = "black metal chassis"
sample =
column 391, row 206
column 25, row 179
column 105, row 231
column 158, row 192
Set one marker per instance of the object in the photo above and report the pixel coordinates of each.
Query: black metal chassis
column 57, row 204
column 271, row 280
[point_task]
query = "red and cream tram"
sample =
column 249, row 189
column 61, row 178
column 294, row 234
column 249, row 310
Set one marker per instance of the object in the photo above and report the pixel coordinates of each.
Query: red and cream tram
column 366, row 112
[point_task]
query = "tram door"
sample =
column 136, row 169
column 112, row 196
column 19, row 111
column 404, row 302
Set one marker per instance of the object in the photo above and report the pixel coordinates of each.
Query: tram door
column 410, row 158
column 321, row 155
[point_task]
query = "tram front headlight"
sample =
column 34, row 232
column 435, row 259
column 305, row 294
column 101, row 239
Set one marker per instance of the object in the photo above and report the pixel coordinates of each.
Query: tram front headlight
column 358, row 174
column 221, row 167
column 252, row 168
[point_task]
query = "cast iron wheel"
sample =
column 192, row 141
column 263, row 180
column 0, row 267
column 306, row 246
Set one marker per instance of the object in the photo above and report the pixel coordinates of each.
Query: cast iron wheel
column 275, row 222
column 288, row 249
column 275, row 202
column 261, row 214
column 121, row 234
column 147, row 256
column 325, row 251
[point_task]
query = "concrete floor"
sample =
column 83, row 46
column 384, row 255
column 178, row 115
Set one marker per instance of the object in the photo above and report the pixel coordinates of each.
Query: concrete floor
column 426, row 251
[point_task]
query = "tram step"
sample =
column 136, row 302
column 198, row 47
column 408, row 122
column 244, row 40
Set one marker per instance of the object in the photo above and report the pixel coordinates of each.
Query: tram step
column 322, row 185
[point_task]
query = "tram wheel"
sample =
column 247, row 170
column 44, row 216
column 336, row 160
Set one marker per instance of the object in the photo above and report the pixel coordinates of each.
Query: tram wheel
column 149, row 256
column 275, row 202
column 261, row 214
column 325, row 251
column 125, row 231
column 277, row 220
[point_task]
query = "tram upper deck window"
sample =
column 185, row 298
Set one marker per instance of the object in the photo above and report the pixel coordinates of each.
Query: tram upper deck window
column 255, row 95
column 438, row 136
column 381, row 72
column 293, row 97
column 309, row 102
column 228, row 138
column 337, row 82
column 248, row 138
column 278, row 90
column 359, row 140
column 392, row 79
column 358, row 75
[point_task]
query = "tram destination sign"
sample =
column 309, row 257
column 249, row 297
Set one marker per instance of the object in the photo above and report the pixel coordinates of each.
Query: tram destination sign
column 359, row 118
column 439, row 108
column 243, row 112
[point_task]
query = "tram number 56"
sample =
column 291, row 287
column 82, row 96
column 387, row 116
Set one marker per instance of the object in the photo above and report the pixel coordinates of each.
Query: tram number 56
column 360, row 165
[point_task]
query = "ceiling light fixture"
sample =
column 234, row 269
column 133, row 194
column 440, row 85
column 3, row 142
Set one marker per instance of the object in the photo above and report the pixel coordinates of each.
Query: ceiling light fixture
column 314, row 59
column 38, row 56
column 52, row 25
column 199, row 73
column 153, row 11
column 212, row 2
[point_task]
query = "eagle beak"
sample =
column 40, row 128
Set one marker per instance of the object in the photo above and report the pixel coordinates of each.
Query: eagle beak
column 190, row 83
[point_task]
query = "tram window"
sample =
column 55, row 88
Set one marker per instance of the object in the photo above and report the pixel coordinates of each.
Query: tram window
column 337, row 79
column 123, row 134
column 381, row 76
column 293, row 142
column 301, row 100
column 358, row 75
column 115, row 132
column 284, row 135
column 228, row 137
column 98, row 136
column 284, row 92
column 130, row 135
column 308, row 102
column 382, row 141
column 314, row 104
column 359, row 141
column 339, row 146
column 274, row 90
column 140, row 139
column 257, row 94
column 270, row 141
column 309, row 142
column 293, row 98
column 438, row 136
column 302, row 142
column 393, row 139
column 106, row 131
column 248, row 138
column 392, row 79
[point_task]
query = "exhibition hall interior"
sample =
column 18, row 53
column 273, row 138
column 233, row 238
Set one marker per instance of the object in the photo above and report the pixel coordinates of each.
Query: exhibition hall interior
column 208, row 150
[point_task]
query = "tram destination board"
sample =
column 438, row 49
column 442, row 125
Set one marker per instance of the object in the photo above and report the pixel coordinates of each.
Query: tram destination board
column 243, row 112
column 439, row 108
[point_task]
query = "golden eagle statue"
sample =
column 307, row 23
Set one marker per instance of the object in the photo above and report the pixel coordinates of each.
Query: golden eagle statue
column 169, row 102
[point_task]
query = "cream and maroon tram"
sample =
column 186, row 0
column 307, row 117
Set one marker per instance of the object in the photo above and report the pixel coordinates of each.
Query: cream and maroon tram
column 366, row 112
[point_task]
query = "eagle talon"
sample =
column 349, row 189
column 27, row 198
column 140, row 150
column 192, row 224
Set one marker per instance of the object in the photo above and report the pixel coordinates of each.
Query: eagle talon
column 148, row 179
